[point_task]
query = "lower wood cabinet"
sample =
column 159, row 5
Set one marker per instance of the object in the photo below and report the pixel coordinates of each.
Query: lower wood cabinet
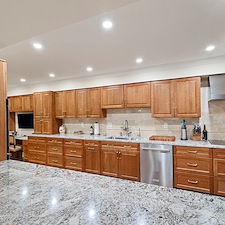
column 25, row 150
column 120, row 160
column 193, row 169
column 73, row 163
column 92, row 156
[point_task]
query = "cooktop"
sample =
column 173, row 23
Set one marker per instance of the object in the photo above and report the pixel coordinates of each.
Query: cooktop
column 217, row 142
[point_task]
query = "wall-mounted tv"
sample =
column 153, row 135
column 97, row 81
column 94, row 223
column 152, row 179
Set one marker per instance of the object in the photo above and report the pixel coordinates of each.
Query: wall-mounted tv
column 26, row 121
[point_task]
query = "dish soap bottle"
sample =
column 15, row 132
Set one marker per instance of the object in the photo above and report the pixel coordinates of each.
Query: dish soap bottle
column 91, row 130
column 183, row 130
column 204, row 134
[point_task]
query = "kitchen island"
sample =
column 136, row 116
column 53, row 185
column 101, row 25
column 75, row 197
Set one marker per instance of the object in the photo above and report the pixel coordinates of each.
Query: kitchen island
column 37, row 194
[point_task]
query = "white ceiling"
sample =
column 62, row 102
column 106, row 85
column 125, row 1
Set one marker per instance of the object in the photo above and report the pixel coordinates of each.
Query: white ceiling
column 160, row 31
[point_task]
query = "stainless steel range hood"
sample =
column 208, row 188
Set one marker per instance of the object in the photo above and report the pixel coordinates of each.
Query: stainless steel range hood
column 217, row 87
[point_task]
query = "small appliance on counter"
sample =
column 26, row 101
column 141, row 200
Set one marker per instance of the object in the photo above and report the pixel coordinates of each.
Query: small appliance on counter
column 183, row 130
column 196, row 133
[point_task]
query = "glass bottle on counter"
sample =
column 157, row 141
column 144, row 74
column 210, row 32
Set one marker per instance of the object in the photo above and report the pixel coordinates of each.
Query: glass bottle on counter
column 204, row 134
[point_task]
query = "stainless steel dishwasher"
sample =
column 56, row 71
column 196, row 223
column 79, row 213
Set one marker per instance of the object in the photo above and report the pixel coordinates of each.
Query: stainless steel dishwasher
column 157, row 164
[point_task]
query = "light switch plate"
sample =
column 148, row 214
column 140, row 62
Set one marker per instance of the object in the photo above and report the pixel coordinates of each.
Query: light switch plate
column 109, row 125
column 165, row 125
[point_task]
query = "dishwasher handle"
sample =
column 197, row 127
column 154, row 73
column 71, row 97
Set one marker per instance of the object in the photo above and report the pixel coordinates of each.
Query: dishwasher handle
column 156, row 149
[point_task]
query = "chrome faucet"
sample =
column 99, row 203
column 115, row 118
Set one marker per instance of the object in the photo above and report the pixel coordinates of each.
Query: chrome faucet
column 126, row 128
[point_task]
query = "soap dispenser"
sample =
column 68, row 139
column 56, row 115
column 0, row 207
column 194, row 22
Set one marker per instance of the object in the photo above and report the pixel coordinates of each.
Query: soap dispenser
column 183, row 130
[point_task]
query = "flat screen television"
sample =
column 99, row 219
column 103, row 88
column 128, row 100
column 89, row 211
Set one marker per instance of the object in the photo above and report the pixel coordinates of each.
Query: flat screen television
column 26, row 121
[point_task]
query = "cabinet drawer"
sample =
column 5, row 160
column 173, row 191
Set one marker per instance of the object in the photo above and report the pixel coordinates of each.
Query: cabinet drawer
column 37, row 139
column 219, row 153
column 73, row 151
column 219, row 186
column 193, row 151
column 53, row 160
column 37, row 158
column 35, row 147
column 219, row 167
column 74, row 163
column 193, row 164
column 120, row 145
column 55, row 149
column 91, row 144
column 73, row 142
column 55, row 141
column 193, row 182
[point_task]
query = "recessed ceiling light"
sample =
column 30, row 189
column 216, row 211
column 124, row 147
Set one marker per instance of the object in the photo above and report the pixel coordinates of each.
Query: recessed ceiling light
column 107, row 24
column 89, row 69
column 23, row 80
column 139, row 60
column 37, row 46
column 210, row 48
column 52, row 75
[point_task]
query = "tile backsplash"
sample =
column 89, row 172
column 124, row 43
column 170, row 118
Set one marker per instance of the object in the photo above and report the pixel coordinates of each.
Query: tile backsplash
column 213, row 116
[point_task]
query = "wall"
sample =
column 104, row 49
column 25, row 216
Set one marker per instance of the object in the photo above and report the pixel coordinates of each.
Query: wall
column 213, row 115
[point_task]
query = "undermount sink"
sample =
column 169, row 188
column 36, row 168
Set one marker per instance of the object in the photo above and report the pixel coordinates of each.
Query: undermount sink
column 122, row 138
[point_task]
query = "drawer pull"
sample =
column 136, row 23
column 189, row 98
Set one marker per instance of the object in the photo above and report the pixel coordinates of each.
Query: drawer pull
column 73, row 151
column 91, row 148
column 192, row 164
column 193, row 181
column 72, row 163
column 54, row 149
column 55, row 161
column 36, row 158
column 127, row 146
column 194, row 152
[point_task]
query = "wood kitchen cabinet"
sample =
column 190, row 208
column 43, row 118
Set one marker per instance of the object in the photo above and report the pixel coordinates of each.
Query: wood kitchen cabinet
column 88, row 103
column 120, row 160
column 92, row 156
column 44, row 118
column 137, row 95
column 112, row 97
column 22, row 103
column 65, row 104
column 193, row 169
column 176, row 98
column 219, row 171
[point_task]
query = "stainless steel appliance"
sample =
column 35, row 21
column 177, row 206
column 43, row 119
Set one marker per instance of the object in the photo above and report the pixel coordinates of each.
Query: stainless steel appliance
column 157, row 164
column 217, row 142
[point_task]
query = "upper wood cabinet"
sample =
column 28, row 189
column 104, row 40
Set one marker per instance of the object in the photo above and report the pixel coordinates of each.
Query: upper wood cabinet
column 176, row 98
column 22, row 103
column 137, row 95
column 65, row 104
column 112, row 97
column 88, row 103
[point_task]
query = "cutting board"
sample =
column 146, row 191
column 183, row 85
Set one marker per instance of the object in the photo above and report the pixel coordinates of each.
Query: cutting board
column 162, row 138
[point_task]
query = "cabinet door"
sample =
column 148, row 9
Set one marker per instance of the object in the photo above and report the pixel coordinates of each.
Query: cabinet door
column 46, row 126
column 109, row 163
column 219, row 186
column 162, row 98
column 47, row 104
column 27, row 103
column 112, row 97
column 59, row 104
column 137, row 95
column 17, row 104
column 37, row 98
column 187, row 98
column 92, row 160
column 38, row 126
column 69, row 104
column 129, row 165
column 94, row 103
column 81, row 103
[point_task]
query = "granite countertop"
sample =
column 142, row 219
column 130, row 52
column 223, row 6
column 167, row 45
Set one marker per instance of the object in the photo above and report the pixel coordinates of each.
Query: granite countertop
column 36, row 194
column 205, row 144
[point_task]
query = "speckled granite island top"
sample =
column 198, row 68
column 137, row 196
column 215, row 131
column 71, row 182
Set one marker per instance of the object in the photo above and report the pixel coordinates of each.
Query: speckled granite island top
column 204, row 144
column 35, row 194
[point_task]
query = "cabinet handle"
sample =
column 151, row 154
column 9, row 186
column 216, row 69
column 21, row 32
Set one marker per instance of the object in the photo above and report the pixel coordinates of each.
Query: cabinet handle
column 72, row 163
column 91, row 148
column 73, row 151
column 54, row 149
column 117, row 152
column 55, row 161
column 193, row 181
column 192, row 164
column 194, row 152
column 127, row 146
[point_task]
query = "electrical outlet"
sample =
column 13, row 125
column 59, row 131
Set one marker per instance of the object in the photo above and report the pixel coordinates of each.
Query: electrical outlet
column 109, row 125
column 82, row 124
column 165, row 125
